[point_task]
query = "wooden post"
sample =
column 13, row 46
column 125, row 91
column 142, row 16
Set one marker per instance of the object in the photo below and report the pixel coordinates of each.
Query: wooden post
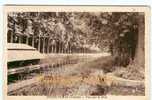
column 32, row 41
column 43, row 44
column 59, row 47
column 48, row 46
column 27, row 40
column 39, row 44
column 51, row 48
column 69, row 48
column 62, row 48
column 11, row 38
column 19, row 38
column 55, row 48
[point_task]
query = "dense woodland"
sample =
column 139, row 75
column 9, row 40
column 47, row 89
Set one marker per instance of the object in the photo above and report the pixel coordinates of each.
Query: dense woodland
column 121, row 33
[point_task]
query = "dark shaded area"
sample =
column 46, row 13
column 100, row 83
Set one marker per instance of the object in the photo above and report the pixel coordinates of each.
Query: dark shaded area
column 16, row 64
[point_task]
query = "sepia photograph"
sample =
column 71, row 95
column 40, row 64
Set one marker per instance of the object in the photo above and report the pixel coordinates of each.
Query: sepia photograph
column 73, row 52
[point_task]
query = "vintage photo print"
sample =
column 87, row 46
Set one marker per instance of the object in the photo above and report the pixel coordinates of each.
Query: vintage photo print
column 63, row 52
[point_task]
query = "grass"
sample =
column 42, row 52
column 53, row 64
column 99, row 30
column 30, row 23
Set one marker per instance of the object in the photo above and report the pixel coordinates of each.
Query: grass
column 103, row 63
column 87, row 73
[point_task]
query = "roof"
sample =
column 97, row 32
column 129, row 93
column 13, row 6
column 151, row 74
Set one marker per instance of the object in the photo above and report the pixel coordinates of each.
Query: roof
column 18, row 52
column 19, row 46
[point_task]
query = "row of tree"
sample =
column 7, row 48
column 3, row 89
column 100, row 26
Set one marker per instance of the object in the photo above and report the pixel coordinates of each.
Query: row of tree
column 114, row 31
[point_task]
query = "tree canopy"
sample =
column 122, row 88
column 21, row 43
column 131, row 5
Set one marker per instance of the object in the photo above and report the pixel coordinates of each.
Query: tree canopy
column 113, row 31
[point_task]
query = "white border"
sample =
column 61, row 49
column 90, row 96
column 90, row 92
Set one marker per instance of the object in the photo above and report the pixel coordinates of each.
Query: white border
column 64, row 2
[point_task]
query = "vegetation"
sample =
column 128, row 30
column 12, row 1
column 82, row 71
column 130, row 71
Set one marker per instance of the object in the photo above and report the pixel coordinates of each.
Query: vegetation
column 115, row 32
column 120, row 33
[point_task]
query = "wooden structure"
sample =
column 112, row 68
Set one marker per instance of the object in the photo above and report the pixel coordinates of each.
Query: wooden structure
column 20, row 52
column 47, row 44
column 18, row 57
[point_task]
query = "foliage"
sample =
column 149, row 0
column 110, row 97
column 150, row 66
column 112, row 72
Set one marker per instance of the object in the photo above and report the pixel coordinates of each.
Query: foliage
column 113, row 31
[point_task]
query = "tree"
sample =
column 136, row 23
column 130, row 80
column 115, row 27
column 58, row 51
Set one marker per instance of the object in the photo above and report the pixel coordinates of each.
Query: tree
column 122, row 33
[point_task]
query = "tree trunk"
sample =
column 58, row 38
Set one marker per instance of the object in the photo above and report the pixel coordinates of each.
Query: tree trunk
column 140, row 50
